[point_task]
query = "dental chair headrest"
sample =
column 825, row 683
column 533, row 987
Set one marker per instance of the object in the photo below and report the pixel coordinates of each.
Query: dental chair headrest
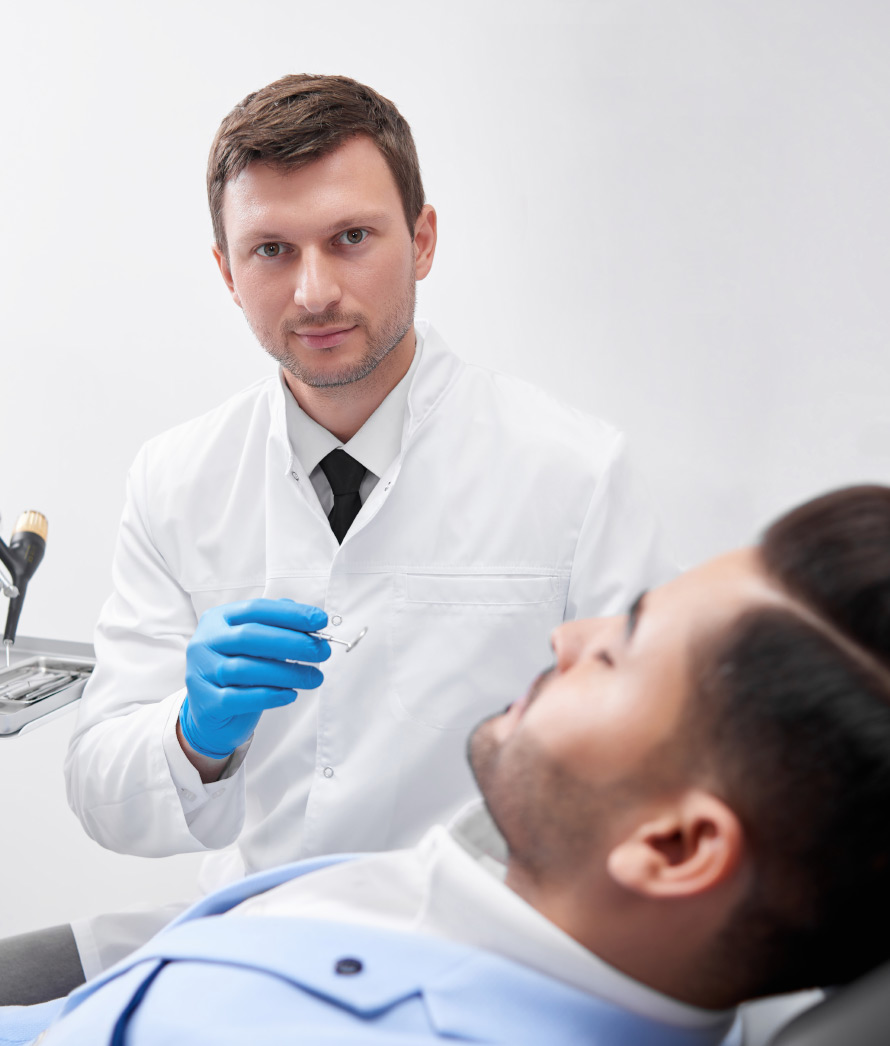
column 858, row 1014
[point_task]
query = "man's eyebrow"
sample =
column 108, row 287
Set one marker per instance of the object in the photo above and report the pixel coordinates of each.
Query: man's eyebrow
column 357, row 221
column 633, row 614
column 269, row 234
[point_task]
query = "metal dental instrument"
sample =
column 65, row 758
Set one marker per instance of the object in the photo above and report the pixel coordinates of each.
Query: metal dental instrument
column 342, row 642
column 333, row 639
column 28, row 692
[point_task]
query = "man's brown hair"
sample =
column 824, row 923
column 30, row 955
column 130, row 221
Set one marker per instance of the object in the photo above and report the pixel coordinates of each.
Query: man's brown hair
column 301, row 118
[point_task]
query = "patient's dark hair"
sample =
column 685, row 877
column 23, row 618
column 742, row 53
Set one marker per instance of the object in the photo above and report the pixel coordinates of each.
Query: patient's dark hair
column 795, row 707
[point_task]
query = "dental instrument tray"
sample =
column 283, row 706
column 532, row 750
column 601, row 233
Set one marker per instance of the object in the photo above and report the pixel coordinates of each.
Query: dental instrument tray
column 39, row 685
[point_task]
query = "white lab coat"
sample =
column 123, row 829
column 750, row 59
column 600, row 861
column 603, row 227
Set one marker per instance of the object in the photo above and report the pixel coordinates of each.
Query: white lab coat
column 504, row 514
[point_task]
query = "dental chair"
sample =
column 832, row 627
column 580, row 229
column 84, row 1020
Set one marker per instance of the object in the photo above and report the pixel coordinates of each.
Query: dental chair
column 760, row 1021
column 38, row 966
column 856, row 1015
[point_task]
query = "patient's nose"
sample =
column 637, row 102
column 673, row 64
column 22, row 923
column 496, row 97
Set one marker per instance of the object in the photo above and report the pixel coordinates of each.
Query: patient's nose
column 570, row 639
column 573, row 640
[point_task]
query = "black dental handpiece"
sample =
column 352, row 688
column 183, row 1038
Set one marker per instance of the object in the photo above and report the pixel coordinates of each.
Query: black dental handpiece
column 22, row 557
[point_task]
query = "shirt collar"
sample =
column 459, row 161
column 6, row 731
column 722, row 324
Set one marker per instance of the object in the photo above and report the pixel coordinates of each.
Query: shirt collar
column 376, row 444
column 471, row 850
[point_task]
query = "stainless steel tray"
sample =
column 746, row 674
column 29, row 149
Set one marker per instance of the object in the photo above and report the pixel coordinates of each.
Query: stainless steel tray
column 39, row 685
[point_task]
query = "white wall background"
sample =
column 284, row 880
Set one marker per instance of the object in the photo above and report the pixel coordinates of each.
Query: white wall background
column 671, row 212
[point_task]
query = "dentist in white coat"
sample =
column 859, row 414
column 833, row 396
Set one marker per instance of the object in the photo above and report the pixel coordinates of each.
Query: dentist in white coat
column 487, row 513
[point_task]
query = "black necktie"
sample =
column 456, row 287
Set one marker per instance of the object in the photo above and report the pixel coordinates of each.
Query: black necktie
column 345, row 476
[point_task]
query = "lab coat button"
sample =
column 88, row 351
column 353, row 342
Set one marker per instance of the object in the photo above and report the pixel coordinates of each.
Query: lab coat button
column 189, row 795
column 296, row 477
column 336, row 620
column 329, row 771
column 348, row 966
column 218, row 793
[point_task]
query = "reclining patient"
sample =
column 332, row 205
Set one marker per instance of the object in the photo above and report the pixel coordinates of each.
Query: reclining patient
column 692, row 805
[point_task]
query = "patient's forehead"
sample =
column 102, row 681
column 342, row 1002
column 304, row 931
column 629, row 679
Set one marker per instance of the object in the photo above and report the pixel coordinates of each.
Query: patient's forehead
column 725, row 585
column 694, row 608
column 683, row 619
column 698, row 607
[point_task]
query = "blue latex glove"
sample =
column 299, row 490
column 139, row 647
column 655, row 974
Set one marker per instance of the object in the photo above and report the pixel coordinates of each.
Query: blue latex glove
column 236, row 668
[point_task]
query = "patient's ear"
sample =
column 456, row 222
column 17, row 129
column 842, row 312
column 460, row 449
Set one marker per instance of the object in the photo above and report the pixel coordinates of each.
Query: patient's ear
column 691, row 845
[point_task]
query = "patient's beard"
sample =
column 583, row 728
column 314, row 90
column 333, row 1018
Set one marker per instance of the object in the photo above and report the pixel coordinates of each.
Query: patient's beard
column 548, row 818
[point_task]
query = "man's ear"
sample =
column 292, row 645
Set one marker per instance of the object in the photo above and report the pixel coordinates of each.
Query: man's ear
column 223, row 262
column 424, row 241
column 690, row 846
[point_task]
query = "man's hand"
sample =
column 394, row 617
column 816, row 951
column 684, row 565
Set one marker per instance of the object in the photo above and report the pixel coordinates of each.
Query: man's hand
column 236, row 668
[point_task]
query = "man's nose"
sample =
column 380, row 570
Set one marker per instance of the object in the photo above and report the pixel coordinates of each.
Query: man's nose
column 568, row 641
column 318, row 285
column 572, row 640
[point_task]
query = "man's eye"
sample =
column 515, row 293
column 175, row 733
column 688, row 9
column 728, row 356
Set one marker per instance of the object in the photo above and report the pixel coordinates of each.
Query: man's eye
column 353, row 236
column 606, row 658
column 269, row 250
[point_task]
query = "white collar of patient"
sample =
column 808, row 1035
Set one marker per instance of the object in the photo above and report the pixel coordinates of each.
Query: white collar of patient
column 451, row 885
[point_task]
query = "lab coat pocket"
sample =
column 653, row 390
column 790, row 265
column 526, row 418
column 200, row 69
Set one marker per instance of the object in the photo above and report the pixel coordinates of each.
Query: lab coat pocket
column 464, row 646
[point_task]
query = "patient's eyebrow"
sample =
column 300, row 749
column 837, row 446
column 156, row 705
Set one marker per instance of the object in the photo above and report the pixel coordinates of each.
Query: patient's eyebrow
column 633, row 615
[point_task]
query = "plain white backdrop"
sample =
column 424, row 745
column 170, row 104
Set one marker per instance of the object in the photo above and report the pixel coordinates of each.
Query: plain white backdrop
column 672, row 213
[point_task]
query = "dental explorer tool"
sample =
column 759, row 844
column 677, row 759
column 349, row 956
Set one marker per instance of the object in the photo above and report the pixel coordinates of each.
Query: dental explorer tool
column 342, row 642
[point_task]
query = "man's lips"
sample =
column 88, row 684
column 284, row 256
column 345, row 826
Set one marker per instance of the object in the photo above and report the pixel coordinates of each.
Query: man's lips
column 325, row 337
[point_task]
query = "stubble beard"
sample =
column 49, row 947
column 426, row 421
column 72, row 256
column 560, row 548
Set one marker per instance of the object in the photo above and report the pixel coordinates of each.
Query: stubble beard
column 504, row 793
column 381, row 340
column 547, row 817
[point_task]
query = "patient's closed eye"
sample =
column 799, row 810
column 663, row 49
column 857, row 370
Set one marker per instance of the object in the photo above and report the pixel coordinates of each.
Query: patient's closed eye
column 605, row 657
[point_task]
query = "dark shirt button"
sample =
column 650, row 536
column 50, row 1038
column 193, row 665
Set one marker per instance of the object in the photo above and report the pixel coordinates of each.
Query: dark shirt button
column 348, row 966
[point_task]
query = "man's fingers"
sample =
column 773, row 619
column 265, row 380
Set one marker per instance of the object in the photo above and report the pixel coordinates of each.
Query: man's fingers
column 272, row 643
column 250, row 672
column 244, row 700
column 279, row 613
